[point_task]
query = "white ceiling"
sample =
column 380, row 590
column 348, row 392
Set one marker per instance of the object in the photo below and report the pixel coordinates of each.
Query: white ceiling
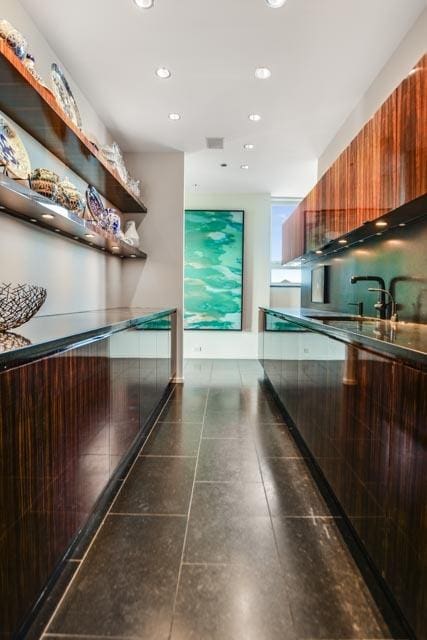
column 323, row 55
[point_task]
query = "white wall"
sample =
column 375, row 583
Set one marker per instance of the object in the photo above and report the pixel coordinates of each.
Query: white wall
column 285, row 297
column 256, row 278
column 410, row 50
column 158, row 282
column 77, row 278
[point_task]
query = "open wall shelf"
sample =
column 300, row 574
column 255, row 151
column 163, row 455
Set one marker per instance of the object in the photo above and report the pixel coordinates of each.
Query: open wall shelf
column 21, row 202
column 35, row 109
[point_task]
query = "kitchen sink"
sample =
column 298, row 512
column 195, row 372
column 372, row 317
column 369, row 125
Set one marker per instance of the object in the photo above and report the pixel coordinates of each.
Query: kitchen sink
column 332, row 318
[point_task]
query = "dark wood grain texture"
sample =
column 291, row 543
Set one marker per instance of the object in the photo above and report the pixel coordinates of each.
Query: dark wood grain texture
column 363, row 417
column 383, row 168
column 66, row 423
column 35, row 109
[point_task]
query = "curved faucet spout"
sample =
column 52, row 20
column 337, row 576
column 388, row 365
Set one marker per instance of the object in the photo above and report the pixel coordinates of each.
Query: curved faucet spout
column 381, row 304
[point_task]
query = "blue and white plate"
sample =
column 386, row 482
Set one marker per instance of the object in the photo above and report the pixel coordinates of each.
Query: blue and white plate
column 12, row 151
column 95, row 204
column 64, row 95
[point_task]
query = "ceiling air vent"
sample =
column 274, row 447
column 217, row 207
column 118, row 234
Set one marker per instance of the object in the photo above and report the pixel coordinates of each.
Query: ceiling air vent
column 215, row 143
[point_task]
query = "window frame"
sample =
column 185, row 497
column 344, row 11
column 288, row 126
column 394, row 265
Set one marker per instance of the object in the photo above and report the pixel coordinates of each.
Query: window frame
column 274, row 264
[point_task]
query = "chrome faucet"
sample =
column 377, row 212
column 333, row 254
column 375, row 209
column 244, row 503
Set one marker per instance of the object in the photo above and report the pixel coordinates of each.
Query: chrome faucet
column 380, row 305
column 393, row 316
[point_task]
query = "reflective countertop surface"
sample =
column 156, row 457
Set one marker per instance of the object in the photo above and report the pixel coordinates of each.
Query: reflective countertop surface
column 405, row 340
column 44, row 335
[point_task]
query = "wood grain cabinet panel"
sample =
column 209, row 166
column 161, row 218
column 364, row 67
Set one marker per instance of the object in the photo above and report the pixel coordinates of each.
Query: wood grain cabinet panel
column 363, row 416
column 66, row 422
column 383, row 168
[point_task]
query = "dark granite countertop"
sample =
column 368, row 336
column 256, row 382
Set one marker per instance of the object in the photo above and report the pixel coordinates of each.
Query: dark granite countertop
column 403, row 340
column 45, row 335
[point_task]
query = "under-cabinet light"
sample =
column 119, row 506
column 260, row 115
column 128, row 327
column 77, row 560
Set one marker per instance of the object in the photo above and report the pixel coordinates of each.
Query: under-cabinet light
column 342, row 241
column 48, row 216
column 381, row 223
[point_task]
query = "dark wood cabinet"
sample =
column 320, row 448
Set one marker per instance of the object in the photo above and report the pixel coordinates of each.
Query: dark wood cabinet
column 67, row 422
column 363, row 417
column 383, row 168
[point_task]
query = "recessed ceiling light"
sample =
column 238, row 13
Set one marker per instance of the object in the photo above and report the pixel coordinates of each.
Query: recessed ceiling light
column 174, row 116
column 133, row 255
column 275, row 4
column 163, row 72
column 48, row 216
column 33, row 220
column 144, row 4
column 255, row 117
column 248, row 147
column 89, row 235
column 402, row 224
column 319, row 252
column 381, row 223
column 244, row 166
column 342, row 241
column 262, row 73
column 115, row 248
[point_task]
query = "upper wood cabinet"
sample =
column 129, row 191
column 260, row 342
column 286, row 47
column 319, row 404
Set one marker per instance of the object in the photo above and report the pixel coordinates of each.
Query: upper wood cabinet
column 383, row 168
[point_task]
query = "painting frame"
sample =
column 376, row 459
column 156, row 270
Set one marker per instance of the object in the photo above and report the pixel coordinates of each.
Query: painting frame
column 242, row 270
column 320, row 284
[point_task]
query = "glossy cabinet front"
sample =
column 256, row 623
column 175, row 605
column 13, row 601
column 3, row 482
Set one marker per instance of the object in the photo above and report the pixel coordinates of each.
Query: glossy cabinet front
column 363, row 417
column 66, row 423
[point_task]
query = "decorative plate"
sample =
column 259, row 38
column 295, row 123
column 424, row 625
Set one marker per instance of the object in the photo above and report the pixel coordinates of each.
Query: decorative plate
column 95, row 204
column 12, row 151
column 64, row 95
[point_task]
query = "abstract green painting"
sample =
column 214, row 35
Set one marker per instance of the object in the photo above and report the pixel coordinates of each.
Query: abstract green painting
column 213, row 276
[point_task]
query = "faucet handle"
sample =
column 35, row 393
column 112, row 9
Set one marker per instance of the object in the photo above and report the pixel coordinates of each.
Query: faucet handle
column 359, row 306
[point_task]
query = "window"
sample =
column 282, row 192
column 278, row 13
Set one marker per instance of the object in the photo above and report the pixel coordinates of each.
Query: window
column 287, row 276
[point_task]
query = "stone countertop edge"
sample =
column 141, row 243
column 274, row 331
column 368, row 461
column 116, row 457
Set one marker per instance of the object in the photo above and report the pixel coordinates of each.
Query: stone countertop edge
column 412, row 356
column 47, row 345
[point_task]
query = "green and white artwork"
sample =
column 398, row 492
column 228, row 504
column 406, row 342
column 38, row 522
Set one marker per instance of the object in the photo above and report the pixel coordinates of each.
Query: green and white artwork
column 213, row 277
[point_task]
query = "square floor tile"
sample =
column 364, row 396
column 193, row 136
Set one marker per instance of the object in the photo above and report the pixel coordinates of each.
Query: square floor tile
column 231, row 602
column 226, row 424
column 290, row 488
column 328, row 596
column 227, row 525
column 126, row 586
column 174, row 439
column 157, row 485
column 275, row 441
column 226, row 459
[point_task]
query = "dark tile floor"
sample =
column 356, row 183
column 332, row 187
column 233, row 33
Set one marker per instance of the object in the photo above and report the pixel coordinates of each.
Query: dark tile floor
column 218, row 532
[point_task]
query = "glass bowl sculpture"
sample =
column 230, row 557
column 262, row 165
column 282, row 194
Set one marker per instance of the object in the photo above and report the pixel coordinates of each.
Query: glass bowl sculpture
column 19, row 303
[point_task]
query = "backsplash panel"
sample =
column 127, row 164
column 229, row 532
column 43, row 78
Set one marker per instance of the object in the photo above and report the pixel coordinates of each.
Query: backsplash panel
column 399, row 256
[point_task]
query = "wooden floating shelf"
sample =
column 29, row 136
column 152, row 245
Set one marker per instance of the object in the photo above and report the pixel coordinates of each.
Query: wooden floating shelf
column 21, row 202
column 34, row 108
